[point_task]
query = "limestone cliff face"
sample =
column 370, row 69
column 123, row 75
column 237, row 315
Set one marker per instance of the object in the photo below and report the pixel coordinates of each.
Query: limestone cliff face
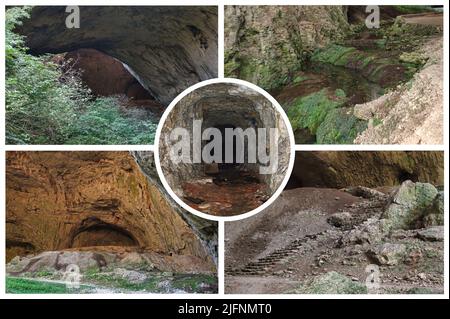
column 61, row 200
column 167, row 48
column 265, row 44
column 370, row 169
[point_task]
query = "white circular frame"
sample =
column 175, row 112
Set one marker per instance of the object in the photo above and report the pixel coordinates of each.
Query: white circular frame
column 291, row 155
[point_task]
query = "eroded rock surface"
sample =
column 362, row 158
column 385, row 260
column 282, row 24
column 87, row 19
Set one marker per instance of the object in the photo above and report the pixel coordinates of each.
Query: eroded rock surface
column 264, row 44
column 105, row 75
column 370, row 169
column 413, row 113
column 86, row 200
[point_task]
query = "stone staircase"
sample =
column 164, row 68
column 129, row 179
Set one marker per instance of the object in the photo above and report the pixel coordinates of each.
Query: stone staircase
column 265, row 264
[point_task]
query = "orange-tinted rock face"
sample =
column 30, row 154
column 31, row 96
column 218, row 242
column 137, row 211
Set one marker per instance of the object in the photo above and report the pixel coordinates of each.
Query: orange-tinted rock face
column 105, row 75
column 62, row 200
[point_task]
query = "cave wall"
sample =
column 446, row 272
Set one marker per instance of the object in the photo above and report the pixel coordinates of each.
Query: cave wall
column 367, row 168
column 219, row 104
column 167, row 48
column 59, row 200
column 266, row 44
column 205, row 229
column 104, row 75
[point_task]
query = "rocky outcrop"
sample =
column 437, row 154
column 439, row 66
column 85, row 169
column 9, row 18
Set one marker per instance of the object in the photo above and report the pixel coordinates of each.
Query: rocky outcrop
column 414, row 205
column 76, row 200
column 266, row 44
column 166, row 48
column 370, row 169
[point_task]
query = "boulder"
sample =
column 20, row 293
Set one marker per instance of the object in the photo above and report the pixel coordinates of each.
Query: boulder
column 411, row 206
column 387, row 254
column 340, row 219
column 435, row 233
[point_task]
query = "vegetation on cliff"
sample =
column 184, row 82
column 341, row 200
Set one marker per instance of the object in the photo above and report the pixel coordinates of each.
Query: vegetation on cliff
column 46, row 104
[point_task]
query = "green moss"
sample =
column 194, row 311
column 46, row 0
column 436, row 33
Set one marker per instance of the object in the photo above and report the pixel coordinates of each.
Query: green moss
column 310, row 111
column 333, row 54
column 340, row 93
column 340, row 126
column 415, row 59
column 300, row 78
column 231, row 66
column 377, row 121
column 155, row 282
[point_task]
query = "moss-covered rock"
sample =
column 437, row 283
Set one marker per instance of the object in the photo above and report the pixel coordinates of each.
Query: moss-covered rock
column 310, row 111
column 435, row 215
column 267, row 44
column 340, row 126
column 412, row 206
column 384, row 71
column 332, row 283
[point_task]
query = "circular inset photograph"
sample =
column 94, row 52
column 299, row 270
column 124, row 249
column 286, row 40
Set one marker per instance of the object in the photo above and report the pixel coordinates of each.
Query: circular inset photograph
column 224, row 148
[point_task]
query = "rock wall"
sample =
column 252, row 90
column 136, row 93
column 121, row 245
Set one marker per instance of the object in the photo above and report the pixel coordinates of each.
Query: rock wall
column 167, row 48
column 370, row 169
column 204, row 228
column 266, row 44
column 105, row 75
column 61, row 200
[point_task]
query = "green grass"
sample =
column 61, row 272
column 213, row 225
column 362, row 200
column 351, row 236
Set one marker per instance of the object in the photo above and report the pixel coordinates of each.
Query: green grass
column 46, row 103
column 16, row 285
column 191, row 283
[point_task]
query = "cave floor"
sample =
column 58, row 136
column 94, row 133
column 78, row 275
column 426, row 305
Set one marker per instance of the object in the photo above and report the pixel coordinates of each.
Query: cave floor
column 231, row 192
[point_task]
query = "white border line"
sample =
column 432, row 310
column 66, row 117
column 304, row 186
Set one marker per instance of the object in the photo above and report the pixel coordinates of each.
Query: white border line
column 445, row 146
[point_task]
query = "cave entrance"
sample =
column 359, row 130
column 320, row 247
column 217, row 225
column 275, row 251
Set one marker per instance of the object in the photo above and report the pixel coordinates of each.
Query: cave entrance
column 103, row 235
column 106, row 76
